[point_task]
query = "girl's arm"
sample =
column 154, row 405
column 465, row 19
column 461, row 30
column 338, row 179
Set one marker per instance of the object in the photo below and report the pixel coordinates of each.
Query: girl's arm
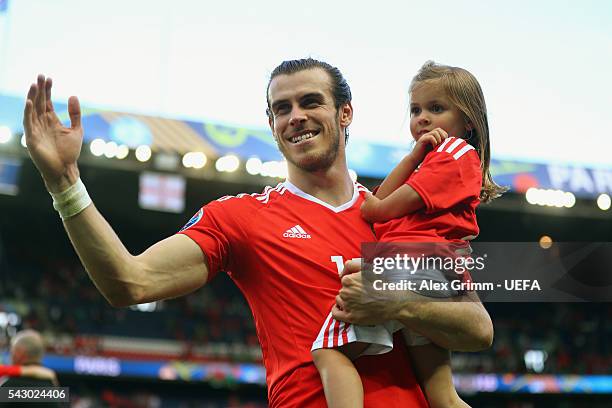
column 406, row 166
column 404, row 200
column 398, row 176
column 394, row 198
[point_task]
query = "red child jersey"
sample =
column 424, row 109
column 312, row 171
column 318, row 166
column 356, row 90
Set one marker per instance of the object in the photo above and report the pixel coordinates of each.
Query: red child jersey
column 449, row 182
column 284, row 249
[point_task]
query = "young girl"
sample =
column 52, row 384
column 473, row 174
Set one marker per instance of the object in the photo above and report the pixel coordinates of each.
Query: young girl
column 429, row 197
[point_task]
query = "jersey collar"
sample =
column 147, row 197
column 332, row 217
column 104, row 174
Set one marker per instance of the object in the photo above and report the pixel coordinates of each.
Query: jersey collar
column 295, row 190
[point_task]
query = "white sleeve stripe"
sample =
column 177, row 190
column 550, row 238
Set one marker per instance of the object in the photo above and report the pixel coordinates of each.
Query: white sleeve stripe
column 462, row 151
column 265, row 196
column 262, row 197
column 444, row 144
column 454, row 145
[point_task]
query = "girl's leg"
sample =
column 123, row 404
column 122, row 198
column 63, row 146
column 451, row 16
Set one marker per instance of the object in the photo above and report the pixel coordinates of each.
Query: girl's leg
column 433, row 370
column 341, row 381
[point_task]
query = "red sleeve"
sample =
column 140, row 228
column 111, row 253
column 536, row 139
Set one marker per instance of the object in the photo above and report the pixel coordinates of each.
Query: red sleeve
column 11, row 371
column 216, row 228
column 448, row 177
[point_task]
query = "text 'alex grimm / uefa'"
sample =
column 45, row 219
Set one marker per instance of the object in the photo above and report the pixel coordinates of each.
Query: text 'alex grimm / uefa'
column 509, row 284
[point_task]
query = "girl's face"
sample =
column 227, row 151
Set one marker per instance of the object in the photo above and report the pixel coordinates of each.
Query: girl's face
column 430, row 108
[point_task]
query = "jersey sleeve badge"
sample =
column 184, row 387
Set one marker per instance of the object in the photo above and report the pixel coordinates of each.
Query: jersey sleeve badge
column 194, row 220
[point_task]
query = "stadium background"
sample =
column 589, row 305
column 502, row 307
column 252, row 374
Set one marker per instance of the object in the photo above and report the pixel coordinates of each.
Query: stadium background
column 201, row 350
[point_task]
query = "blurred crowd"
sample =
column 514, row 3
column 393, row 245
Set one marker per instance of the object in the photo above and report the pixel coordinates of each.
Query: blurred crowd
column 55, row 296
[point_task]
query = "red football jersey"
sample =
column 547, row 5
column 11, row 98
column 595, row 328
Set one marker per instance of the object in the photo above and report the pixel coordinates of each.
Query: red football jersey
column 449, row 181
column 284, row 249
column 11, row 371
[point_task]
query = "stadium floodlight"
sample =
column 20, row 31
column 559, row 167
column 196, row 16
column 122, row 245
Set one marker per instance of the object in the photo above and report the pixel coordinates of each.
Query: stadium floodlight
column 97, row 147
column 122, row 152
column 554, row 198
column 550, row 198
column 199, row 160
column 274, row 169
column 145, row 307
column 253, row 166
column 535, row 359
column 9, row 319
column 531, row 195
column 23, row 141
column 267, row 168
column 543, row 197
column 545, row 242
column 228, row 163
column 353, row 174
column 561, row 199
column 196, row 160
column 5, row 134
column 187, row 159
column 283, row 169
column 604, row 202
column 110, row 150
column 569, row 200
column 143, row 153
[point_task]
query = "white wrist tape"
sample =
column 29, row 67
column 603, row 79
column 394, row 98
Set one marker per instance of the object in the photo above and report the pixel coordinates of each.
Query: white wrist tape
column 71, row 201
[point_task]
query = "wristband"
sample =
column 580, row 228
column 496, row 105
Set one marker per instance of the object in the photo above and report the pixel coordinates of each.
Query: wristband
column 71, row 201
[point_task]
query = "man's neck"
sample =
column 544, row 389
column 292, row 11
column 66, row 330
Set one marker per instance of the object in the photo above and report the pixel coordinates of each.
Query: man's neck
column 333, row 186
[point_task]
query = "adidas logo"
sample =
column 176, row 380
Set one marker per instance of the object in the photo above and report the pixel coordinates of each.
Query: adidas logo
column 296, row 232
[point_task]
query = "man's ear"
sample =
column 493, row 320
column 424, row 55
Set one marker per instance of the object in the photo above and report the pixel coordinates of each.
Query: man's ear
column 271, row 123
column 346, row 114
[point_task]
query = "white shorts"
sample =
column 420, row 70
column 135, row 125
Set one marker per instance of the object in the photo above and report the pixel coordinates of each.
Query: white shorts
column 334, row 334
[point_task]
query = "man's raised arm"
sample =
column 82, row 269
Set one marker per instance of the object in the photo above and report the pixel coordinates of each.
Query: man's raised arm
column 170, row 268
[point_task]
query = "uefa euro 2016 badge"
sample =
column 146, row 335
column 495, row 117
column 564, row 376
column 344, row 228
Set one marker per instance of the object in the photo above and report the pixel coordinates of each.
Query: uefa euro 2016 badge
column 194, row 220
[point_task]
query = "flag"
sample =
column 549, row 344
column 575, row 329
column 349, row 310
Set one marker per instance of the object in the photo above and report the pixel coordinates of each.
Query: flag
column 162, row 192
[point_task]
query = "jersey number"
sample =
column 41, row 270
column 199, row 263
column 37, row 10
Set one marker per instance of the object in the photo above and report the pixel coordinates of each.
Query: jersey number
column 339, row 261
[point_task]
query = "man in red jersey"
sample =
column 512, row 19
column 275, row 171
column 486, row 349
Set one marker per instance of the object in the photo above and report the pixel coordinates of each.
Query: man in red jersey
column 284, row 248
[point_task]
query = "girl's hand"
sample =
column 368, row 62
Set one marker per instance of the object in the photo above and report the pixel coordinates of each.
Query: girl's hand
column 427, row 143
column 369, row 208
